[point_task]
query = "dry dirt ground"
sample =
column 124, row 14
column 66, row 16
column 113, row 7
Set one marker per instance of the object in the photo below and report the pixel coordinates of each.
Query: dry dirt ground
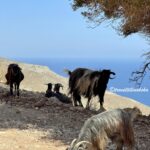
column 52, row 126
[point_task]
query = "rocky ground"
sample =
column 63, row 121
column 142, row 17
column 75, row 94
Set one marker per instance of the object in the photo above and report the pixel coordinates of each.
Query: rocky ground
column 35, row 122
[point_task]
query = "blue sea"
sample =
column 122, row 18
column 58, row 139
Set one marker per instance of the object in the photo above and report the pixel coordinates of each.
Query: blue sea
column 123, row 69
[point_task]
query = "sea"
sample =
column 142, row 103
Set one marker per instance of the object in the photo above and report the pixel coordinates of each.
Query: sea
column 121, row 85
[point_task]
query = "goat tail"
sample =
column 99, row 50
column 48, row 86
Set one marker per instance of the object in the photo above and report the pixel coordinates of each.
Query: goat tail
column 68, row 72
column 127, row 131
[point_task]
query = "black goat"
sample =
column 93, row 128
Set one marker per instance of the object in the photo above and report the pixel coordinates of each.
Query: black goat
column 49, row 92
column 61, row 97
column 88, row 83
column 57, row 87
column 14, row 76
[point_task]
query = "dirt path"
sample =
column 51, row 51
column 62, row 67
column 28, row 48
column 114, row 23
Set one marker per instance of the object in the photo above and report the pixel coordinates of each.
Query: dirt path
column 13, row 139
column 50, row 128
column 19, row 131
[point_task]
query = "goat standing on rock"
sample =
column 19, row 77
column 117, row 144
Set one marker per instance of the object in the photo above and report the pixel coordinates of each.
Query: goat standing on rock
column 88, row 83
column 14, row 76
column 115, row 125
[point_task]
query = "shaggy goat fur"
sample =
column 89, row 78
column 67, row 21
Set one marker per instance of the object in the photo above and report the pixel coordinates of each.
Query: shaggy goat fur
column 115, row 125
column 88, row 83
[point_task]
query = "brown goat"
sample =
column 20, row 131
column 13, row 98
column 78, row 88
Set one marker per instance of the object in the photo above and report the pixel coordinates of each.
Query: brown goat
column 115, row 125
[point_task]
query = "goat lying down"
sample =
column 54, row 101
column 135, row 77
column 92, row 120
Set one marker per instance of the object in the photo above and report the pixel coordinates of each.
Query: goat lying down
column 115, row 125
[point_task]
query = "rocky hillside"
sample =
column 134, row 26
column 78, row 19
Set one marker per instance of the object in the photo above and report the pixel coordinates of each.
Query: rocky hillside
column 33, row 122
column 37, row 76
column 24, row 126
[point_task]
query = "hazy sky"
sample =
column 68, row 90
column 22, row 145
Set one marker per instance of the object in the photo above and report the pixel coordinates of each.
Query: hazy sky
column 46, row 28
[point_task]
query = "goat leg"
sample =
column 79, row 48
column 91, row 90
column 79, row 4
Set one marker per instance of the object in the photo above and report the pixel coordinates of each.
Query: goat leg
column 88, row 102
column 17, row 89
column 74, row 102
column 11, row 88
column 101, row 101
column 76, row 98
column 15, row 85
column 79, row 100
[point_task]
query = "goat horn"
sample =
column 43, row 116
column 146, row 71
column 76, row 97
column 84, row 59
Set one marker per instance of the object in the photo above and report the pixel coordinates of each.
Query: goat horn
column 72, row 143
column 79, row 143
column 112, row 78
column 113, row 74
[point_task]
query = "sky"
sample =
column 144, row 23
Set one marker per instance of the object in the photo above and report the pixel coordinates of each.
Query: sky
column 43, row 29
